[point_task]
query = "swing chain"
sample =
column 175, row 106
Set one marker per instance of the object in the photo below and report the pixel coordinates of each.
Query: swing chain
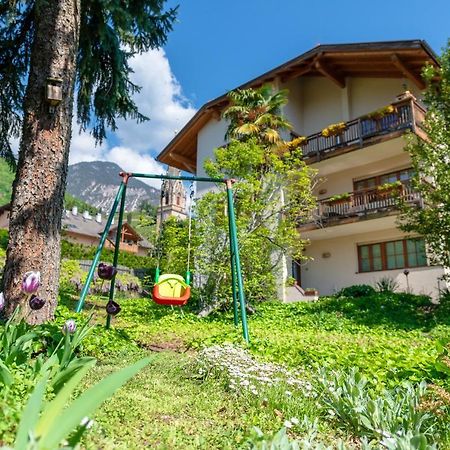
column 191, row 196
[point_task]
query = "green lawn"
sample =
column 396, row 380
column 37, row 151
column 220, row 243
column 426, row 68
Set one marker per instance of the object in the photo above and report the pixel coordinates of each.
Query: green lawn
column 340, row 369
column 168, row 405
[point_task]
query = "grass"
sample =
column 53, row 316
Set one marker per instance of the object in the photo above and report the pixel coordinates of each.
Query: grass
column 179, row 402
column 390, row 338
column 163, row 408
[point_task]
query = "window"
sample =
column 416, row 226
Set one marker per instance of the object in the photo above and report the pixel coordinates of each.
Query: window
column 392, row 255
column 370, row 183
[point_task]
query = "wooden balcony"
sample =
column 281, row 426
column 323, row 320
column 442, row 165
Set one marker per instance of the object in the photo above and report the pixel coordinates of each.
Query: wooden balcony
column 125, row 246
column 365, row 131
column 366, row 204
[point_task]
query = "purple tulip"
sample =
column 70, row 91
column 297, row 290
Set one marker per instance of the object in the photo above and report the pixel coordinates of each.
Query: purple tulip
column 113, row 308
column 105, row 271
column 2, row 301
column 69, row 327
column 36, row 302
column 31, row 282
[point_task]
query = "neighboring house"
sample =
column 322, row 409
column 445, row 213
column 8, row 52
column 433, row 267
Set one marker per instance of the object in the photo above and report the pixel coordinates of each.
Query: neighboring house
column 84, row 229
column 354, row 238
column 173, row 198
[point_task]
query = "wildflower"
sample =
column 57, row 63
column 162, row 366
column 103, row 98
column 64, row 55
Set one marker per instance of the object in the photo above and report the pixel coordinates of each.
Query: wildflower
column 288, row 393
column 69, row 327
column 113, row 308
column 331, row 413
column 287, row 424
column 31, row 282
column 36, row 302
column 106, row 272
column 294, row 420
column 2, row 301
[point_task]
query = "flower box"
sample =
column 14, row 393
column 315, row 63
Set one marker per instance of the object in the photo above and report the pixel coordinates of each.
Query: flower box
column 311, row 292
column 335, row 129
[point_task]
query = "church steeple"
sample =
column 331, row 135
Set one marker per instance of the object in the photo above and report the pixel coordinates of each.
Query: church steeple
column 174, row 197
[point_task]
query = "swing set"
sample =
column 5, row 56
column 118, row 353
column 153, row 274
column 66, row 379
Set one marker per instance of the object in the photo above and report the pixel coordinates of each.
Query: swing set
column 172, row 289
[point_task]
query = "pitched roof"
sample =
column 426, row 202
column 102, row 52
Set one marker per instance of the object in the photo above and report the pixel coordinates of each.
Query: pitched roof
column 78, row 224
column 392, row 59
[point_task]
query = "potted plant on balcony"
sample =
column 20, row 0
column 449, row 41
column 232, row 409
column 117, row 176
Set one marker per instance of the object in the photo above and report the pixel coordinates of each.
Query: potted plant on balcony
column 311, row 292
column 390, row 189
column 338, row 199
column 381, row 112
column 335, row 129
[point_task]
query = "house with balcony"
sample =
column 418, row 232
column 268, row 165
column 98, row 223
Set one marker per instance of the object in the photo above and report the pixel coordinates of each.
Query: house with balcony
column 371, row 95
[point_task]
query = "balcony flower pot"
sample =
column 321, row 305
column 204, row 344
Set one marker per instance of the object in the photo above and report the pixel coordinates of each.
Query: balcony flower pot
column 338, row 199
column 335, row 129
column 388, row 190
column 381, row 112
column 311, row 292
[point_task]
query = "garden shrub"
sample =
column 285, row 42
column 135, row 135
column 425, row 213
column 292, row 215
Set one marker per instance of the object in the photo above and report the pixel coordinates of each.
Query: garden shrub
column 71, row 250
column 357, row 290
column 386, row 284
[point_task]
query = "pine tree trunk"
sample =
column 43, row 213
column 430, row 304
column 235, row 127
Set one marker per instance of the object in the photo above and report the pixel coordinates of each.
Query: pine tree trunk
column 38, row 190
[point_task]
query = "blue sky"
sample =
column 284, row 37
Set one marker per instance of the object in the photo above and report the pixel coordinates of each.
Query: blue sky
column 217, row 45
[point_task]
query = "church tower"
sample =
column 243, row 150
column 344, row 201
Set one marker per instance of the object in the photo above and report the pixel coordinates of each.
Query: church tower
column 174, row 197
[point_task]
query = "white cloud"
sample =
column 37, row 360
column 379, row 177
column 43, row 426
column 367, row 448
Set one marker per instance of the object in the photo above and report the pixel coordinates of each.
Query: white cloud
column 83, row 148
column 160, row 99
column 133, row 161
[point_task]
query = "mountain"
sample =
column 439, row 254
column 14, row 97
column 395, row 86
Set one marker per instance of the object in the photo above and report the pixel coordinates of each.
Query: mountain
column 97, row 182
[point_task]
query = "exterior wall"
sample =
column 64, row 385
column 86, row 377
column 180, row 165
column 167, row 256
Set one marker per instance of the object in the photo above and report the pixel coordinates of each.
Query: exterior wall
column 369, row 94
column 322, row 104
column 211, row 136
column 340, row 269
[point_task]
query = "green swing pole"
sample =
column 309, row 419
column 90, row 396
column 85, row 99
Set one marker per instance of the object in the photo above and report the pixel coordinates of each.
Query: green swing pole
column 90, row 275
column 117, row 245
column 233, row 276
column 234, row 242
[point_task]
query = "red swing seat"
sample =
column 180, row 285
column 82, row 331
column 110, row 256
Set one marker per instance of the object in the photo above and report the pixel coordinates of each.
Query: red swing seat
column 172, row 290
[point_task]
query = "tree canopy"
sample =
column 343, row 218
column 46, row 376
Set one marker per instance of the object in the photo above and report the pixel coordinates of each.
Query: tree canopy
column 111, row 32
column 431, row 162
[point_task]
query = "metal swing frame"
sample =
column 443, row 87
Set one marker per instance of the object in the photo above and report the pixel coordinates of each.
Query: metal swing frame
column 237, row 285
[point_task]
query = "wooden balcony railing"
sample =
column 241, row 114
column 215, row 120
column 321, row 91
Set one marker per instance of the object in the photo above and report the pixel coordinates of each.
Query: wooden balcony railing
column 408, row 114
column 361, row 203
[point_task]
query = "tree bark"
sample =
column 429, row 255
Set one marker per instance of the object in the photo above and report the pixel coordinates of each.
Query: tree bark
column 38, row 189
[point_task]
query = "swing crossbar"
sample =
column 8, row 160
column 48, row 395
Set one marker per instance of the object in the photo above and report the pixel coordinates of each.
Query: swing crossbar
column 180, row 177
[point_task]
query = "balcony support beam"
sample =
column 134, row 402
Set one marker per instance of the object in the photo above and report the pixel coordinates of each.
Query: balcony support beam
column 184, row 161
column 407, row 72
column 328, row 73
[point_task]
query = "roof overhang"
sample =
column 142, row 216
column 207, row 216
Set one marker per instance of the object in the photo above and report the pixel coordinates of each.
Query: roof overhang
column 395, row 59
